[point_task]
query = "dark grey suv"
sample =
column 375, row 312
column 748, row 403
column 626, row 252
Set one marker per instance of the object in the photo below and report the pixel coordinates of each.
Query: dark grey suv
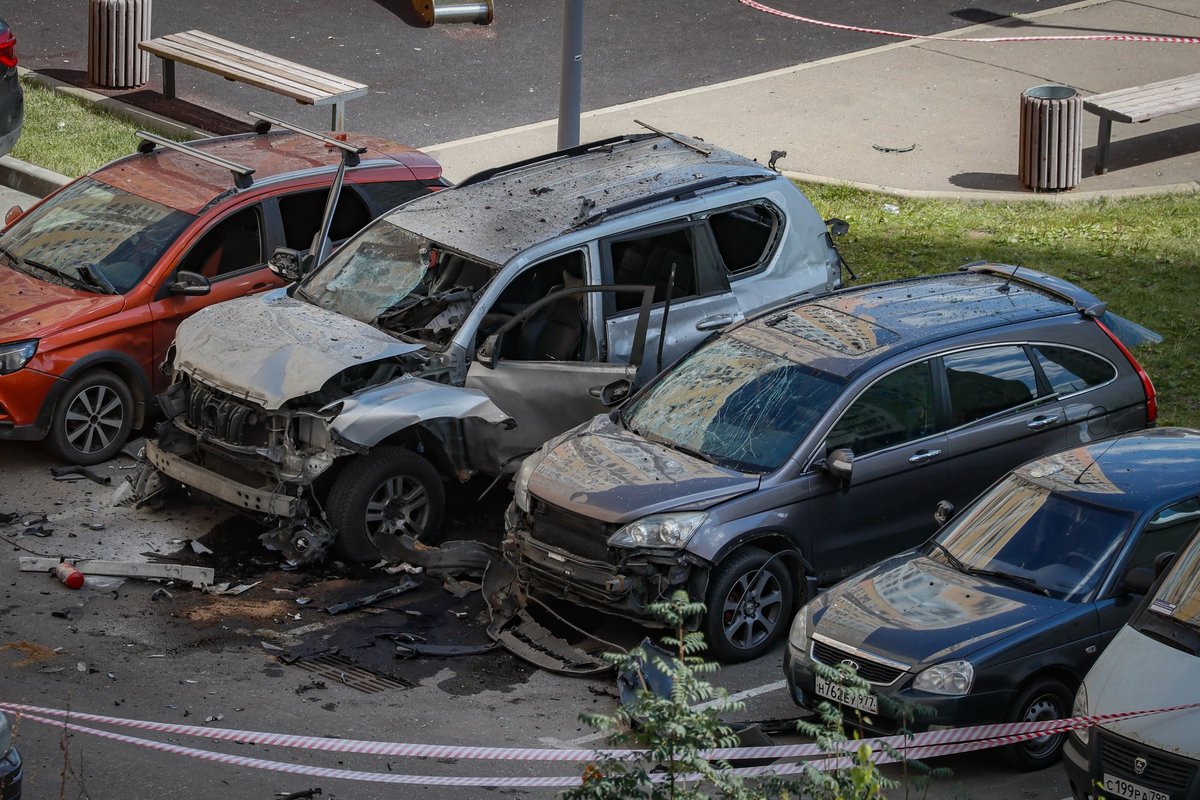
column 817, row 438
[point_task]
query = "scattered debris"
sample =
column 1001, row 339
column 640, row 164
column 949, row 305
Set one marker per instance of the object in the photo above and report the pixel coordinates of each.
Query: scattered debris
column 775, row 156
column 39, row 531
column 457, row 588
column 405, row 585
column 63, row 614
column 72, row 472
column 307, row 687
column 303, row 601
column 452, row 558
column 884, row 149
column 269, row 646
column 214, row 718
column 161, row 592
column 197, row 576
column 297, row 795
column 411, row 649
column 68, row 575
column 199, row 549
column 228, row 588
column 891, row 208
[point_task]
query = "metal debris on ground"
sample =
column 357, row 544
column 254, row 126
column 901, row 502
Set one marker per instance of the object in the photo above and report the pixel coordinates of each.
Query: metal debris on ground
column 308, row 687
column 199, row 549
column 161, row 592
column 197, row 576
column 460, row 557
column 457, row 588
column 412, row 649
column 297, row 795
column 269, row 646
column 73, row 472
column 230, row 588
column 405, row 585
column 303, row 601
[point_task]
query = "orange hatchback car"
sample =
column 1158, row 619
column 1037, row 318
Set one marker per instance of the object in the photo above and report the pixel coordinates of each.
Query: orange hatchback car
column 95, row 278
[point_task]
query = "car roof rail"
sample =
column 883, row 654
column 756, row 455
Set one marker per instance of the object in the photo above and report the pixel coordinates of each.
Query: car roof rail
column 265, row 122
column 569, row 152
column 243, row 176
column 685, row 192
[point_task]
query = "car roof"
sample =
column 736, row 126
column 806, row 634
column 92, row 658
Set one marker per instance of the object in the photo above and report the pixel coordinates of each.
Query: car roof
column 181, row 181
column 845, row 331
column 497, row 214
column 1133, row 472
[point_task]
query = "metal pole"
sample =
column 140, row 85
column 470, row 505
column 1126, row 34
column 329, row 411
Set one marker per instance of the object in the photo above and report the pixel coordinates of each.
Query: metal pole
column 571, row 77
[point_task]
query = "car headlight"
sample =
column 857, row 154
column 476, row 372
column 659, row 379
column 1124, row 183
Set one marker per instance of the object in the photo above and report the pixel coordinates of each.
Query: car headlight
column 16, row 355
column 798, row 635
column 952, row 677
column 1080, row 709
column 659, row 530
column 521, row 482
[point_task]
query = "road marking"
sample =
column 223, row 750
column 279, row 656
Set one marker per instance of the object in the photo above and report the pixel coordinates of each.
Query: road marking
column 745, row 694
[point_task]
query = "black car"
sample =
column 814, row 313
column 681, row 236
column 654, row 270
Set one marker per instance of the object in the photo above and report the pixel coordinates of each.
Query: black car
column 998, row 617
column 814, row 439
column 12, row 99
column 10, row 763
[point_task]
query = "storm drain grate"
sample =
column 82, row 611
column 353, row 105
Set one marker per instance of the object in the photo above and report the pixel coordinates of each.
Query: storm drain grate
column 340, row 669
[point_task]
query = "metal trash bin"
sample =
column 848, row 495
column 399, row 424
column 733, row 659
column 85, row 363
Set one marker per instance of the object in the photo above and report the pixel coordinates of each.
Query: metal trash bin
column 115, row 27
column 1051, row 150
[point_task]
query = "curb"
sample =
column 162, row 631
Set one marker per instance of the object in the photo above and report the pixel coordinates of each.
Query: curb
column 29, row 178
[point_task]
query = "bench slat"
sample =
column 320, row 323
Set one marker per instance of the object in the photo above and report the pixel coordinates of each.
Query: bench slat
column 267, row 58
column 1142, row 103
column 239, row 68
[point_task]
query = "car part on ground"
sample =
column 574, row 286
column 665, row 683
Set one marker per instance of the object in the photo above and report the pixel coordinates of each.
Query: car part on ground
column 997, row 618
column 914, row 391
column 95, row 278
column 409, row 355
column 1153, row 662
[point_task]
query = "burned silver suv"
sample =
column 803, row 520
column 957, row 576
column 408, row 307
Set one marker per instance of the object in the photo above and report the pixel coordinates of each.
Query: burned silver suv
column 459, row 332
column 817, row 439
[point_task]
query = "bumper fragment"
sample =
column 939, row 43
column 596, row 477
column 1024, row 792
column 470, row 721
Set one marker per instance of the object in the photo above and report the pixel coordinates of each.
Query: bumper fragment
column 260, row 501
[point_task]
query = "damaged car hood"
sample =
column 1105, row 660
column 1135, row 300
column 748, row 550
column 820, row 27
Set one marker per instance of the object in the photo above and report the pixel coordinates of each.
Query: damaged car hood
column 605, row 472
column 274, row 348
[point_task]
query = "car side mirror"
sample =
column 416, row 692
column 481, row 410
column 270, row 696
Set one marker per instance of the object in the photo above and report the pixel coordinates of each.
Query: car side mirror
column 1138, row 580
column 485, row 354
column 287, row 264
column 840, row 464
column 14, row 214
column 837, row 227
column 943, row 512
column 613, row 393
column 190, row 284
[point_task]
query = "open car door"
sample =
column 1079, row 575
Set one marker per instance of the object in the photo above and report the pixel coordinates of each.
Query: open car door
column 543, row 395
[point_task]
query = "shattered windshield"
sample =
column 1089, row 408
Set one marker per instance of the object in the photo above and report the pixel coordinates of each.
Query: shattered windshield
column 1048, row 541
column 735, row 404
column 93, row 237
column 371, row 273
column 1178, row 597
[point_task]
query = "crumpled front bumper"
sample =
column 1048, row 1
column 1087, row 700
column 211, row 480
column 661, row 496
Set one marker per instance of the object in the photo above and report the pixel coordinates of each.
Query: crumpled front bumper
column 259, row 500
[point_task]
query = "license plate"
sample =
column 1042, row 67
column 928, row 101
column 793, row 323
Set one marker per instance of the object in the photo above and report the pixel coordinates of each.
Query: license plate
column 855, row 698
column 1120, row 787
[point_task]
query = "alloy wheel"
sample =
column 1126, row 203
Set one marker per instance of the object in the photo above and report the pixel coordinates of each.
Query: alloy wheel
column 752, row 607
column 399, row 506
column 94, row 419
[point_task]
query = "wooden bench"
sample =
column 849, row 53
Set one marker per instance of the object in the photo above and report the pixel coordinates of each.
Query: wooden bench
column 236, row 62
column 1140, row 104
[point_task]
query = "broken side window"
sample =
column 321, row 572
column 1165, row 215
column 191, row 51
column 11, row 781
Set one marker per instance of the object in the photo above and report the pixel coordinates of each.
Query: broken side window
column 303, row 212
column 557, row 331
column 648, row 260
column 233, row 244
column 746, row 236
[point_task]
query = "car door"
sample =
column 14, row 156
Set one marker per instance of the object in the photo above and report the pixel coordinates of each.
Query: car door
column 892, row 428
column 544, row 392
column 679, row 260
column 231, row 253
column 1001, row 413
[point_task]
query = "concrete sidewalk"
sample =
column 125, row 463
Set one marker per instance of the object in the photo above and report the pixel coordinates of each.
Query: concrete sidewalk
column 958, row 103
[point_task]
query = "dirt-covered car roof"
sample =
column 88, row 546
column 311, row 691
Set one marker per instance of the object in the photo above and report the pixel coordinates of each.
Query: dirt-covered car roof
column 179, row 180
column 500, row 213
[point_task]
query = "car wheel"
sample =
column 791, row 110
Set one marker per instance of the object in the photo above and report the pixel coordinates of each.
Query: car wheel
column 749, row 605
column 92, row 419
column 1044, row 700
column 390, row 491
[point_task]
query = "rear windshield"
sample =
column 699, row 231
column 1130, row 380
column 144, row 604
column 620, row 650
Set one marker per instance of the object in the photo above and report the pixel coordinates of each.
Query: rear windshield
column 735, row 404
column 90, row 225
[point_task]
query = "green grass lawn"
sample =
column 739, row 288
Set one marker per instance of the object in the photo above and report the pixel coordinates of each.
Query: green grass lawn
column 1140, row 255
column 68, row 136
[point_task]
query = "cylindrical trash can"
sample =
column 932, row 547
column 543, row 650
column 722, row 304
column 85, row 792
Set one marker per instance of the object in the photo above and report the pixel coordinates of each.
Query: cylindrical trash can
column 1051, row 149
column 115, row 27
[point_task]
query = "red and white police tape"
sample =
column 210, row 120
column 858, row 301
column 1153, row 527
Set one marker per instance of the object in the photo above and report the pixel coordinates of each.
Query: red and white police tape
column 922, row 745
column 1095, row 37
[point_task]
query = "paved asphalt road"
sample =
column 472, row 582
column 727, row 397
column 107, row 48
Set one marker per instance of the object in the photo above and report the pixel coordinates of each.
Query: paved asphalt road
column 453, row 81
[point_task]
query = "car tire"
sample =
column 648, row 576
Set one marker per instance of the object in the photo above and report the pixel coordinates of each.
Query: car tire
column 1044, row 699
column 387, row 492
column 748, row 605
column 92, row 420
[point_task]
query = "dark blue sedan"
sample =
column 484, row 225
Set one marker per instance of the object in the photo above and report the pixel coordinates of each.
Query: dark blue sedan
column 998, row 616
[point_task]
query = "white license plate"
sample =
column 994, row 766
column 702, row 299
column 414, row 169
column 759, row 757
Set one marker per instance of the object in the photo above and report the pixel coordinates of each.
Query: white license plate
column 1120, row 787
column 855, row 698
